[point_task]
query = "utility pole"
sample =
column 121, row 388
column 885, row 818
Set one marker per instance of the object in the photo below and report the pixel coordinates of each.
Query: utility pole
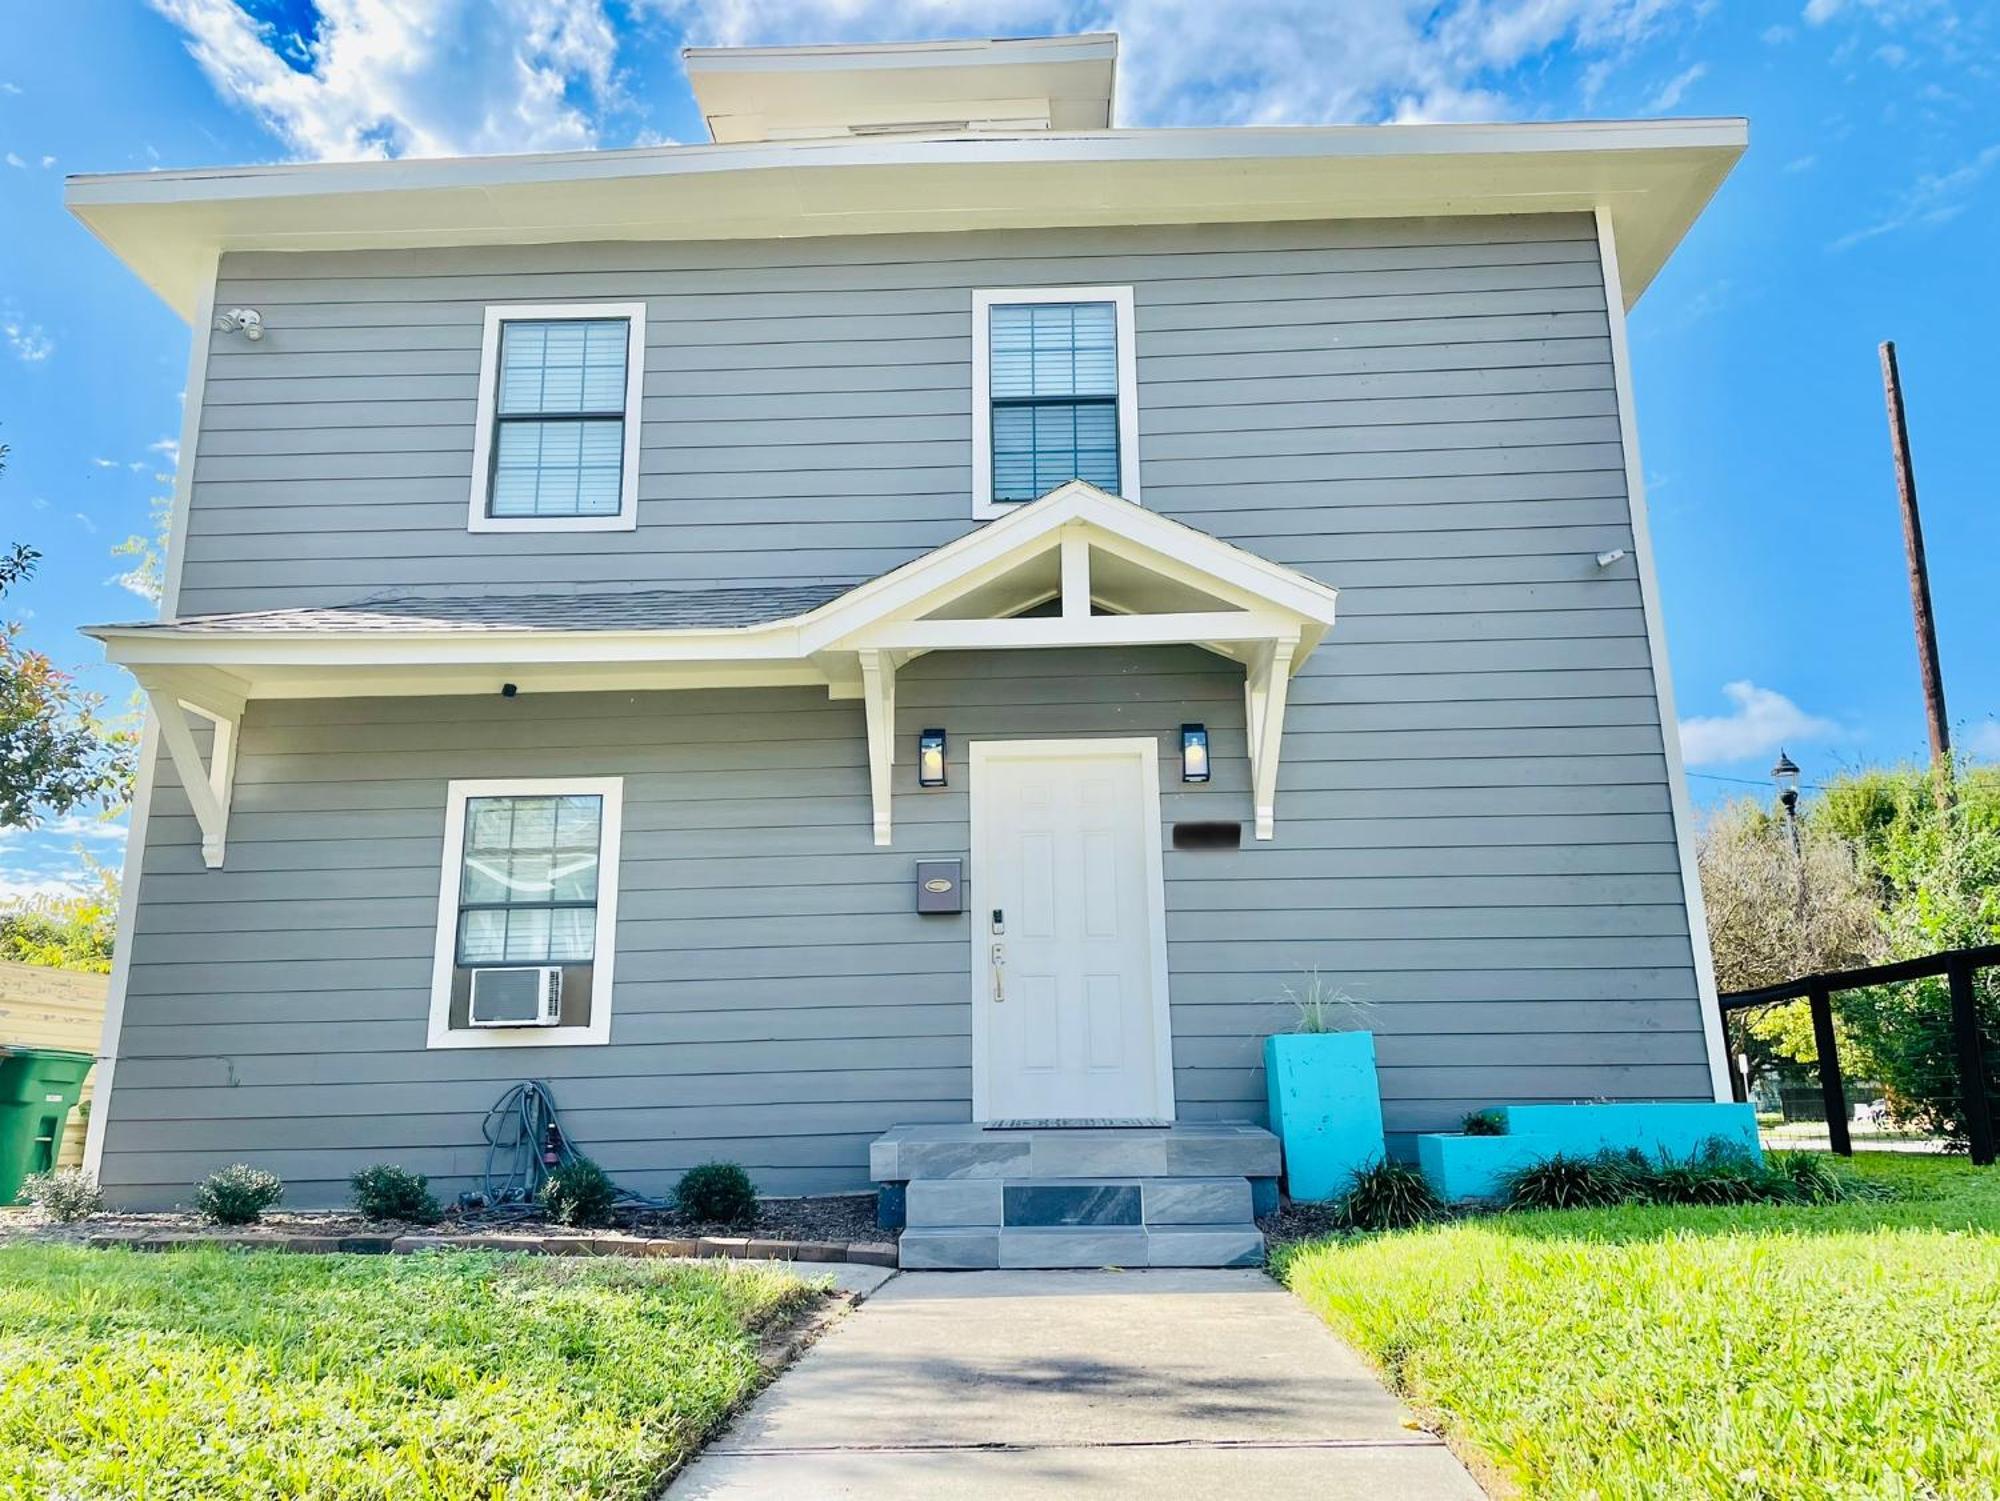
column 1920, row 576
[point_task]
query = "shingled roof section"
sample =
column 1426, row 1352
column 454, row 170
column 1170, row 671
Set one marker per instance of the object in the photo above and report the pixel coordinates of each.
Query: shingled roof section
column 632, row 610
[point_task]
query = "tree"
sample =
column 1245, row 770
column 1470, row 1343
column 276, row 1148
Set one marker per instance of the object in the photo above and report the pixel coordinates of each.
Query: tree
column 54, row 753
column 65, row 932
column 1776, row 913
column 1936, row 875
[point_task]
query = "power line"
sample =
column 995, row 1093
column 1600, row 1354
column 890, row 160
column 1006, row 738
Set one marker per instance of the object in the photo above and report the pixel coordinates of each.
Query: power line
column 1709, row 776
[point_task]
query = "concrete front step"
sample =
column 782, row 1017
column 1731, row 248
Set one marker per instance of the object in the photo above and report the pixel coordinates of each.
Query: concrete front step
column 985, row 1248
column 1100, row 1203
column 1199, row 1149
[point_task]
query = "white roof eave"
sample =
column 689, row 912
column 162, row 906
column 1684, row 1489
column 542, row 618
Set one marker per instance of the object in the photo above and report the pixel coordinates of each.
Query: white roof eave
column 1653, row 177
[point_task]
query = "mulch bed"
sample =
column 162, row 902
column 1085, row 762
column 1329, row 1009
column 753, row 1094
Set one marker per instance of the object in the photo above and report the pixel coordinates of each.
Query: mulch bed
column 831, row 1228
column 1296, row 1222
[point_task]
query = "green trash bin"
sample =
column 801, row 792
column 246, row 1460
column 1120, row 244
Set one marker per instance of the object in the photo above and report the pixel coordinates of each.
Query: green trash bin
column 38, row 1089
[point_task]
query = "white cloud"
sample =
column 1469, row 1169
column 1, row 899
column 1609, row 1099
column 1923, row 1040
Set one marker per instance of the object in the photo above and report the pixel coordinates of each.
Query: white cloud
column 167, row 448
column 1761, row 722
column 1295, row 61
column 85, row 522
column 379, row 78
column 1802, row 163
column 1670, row 93
column 1982, row 740
column 48, row 161
column 13, row 160
column 10, row 88
column 30, row 345
column 105, row 463
column 1934, row 198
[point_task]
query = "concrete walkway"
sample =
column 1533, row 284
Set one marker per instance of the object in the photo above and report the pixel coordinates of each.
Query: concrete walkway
column 1215, row 1384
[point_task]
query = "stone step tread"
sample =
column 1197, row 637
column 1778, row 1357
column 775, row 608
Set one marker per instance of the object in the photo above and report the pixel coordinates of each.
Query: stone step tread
column 966, row 1248
column 910, row 1153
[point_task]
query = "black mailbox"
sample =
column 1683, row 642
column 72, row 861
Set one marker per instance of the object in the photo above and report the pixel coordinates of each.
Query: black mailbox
column 940, row 887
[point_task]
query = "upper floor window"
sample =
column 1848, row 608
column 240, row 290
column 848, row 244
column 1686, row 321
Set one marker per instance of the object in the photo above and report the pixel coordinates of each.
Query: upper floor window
column 1055, row 394
column 557, row 445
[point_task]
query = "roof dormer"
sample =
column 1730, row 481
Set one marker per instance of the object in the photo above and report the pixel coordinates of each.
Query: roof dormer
column 905, row 88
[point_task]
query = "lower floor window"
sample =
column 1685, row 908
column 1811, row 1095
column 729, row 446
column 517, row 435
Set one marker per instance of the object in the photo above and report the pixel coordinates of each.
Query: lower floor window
column 529, row 882
column 528, row 890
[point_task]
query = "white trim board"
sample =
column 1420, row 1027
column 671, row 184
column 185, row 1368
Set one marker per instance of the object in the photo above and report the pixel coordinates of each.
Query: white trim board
column 200, row 334
column 1680, row 802
column 439, row 1031
column 984, row 506
column 627, row 519
column 1146, row 749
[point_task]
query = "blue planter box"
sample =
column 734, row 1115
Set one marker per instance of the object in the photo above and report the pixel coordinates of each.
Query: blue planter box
column 1471, row 1167
column 1678, row 1129
column 1326, row 1108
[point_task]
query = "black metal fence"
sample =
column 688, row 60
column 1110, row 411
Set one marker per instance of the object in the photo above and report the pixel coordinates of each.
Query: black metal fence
column 1967, row 1067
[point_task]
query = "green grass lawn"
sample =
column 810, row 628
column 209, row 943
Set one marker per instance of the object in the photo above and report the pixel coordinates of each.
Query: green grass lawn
column 230, row 1374
column 1845, row 1351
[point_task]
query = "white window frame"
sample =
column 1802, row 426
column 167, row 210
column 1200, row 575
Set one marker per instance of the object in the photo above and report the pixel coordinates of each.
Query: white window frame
column 627, row 517
column 457, row 795
column 984, row 506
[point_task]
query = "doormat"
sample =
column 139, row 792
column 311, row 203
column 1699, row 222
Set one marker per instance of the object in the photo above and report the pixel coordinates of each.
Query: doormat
column 1079, row 1123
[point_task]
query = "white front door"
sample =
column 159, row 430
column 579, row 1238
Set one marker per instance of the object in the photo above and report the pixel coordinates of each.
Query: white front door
column 1069, row 931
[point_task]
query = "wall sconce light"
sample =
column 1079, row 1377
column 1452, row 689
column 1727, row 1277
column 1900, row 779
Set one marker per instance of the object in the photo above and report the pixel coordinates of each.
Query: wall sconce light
column 930, row 758
column 1194, row 753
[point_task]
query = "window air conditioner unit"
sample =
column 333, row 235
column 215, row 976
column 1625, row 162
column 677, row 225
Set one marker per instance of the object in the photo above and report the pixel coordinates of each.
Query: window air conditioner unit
column 516, row 997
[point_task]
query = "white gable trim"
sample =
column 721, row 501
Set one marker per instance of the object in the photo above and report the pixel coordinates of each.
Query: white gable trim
column 1270, row 620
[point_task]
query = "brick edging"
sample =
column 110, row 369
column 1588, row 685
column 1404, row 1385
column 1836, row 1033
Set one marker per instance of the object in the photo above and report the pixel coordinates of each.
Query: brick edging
column 864, row 1253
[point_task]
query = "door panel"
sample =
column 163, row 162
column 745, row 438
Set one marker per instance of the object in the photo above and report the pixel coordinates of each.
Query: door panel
column 1070, row 1008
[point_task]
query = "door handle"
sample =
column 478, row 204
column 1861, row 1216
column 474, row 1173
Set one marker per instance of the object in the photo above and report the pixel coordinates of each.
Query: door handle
column 999, row 967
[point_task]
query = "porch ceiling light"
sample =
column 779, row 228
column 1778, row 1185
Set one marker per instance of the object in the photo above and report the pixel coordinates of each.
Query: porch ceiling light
column 1194, row 753
column 930, row 758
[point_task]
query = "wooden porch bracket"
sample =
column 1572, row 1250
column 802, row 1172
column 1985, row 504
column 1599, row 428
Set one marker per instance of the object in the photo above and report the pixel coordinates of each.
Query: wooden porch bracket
column 1266, row 682
column 209, row 785
column 878, row 697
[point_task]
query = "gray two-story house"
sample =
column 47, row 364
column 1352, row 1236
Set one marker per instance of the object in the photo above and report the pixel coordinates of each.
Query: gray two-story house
column 929, row 610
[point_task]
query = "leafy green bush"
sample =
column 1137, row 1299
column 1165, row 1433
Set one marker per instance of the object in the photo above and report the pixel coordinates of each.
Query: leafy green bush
column 65, row 1195
column 1388, row 1195
column 717, row 1192
column 579, row 1193
column 1566, row 1182
column 1483, row 1123
column 238, row 1195
column 388, row 1192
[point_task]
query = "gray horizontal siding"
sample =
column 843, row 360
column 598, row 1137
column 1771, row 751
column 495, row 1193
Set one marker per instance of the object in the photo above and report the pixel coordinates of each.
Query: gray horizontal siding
column 1444, row 386
column 1474, row 828
column 777, row 1001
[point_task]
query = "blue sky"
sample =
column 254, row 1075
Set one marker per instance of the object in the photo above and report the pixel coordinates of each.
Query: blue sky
column 1867, row 208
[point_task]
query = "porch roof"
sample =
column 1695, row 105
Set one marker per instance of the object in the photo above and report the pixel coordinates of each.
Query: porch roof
column 1094, row 569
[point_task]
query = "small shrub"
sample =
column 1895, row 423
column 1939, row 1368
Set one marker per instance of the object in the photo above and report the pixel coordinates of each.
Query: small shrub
column 579, row 1193
column 238, row 1195
column 1811, row 1177
column 388, row 1192
column 1388, row 1195
column 1483, row 1123
column 1566, row 1182
column 65, row 1195
column 717, row 1193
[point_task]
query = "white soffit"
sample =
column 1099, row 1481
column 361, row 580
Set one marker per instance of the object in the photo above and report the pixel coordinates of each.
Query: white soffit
column 1652, row 177
column 780, row 93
